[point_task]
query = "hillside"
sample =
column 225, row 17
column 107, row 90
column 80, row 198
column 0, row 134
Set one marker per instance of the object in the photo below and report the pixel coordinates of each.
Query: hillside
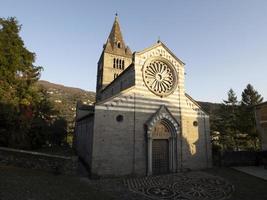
column 64, row 100
column 209, row 107
column 70, row 94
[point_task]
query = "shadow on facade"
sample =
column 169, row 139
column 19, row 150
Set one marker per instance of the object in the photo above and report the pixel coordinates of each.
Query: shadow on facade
column 195, row 146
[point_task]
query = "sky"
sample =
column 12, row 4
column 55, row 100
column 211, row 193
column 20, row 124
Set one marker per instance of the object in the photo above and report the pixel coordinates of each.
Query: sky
column 223, row 43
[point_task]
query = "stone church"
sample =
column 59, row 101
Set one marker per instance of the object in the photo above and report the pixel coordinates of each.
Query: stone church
column 142, row 122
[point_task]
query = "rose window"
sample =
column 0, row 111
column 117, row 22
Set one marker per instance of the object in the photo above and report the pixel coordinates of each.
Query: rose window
column 159, row 78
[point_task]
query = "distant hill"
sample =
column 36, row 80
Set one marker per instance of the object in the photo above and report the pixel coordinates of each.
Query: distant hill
column 64, row 100
column 62, row 92
column 209, row 107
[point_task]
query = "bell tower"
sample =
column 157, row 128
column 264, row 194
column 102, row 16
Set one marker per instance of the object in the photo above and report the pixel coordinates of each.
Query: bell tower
column 115, row 58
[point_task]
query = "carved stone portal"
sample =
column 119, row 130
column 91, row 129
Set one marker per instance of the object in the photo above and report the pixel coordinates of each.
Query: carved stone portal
column 162, row 131
column 160, row 149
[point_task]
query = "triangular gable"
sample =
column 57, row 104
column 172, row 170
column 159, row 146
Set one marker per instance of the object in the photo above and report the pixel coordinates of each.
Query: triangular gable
column 159, row 43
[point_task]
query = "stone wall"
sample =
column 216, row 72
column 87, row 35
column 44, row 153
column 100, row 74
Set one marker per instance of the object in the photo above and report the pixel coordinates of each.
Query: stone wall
column 109, row 70
column 35, row 160
column 121, row 83
column 196, row 151
column 124, row 143
column 84, row 136
column 261, row 121
column 113, row 143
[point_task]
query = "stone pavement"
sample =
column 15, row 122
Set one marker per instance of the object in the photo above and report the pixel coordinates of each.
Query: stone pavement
column 257, row 171
column 179, row 186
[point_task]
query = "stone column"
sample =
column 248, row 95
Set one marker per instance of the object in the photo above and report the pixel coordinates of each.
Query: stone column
column 149, row 156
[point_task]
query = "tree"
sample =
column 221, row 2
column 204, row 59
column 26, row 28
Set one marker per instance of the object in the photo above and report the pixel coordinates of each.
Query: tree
column 225, row 122
column 59, row 131
column 235, row 121
column 232, row 99
column 230, row 119
column 24, row 109
column 17, row 72
column 250, row 98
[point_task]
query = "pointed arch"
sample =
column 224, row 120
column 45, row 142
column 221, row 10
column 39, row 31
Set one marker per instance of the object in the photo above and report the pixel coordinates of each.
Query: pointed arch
column 164, row 115
column 165, row 118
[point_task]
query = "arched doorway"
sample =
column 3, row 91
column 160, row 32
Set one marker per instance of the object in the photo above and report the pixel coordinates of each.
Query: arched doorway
column 162, row 130
column 160, row 148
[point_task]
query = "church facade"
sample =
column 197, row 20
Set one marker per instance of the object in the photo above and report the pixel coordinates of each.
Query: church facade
column 142, row 122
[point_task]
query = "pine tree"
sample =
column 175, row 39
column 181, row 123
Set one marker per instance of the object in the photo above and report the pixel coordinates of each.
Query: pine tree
column 250, row 98
column 232, row 99
column 20, row 98
column 227, row 122
column 17, row 72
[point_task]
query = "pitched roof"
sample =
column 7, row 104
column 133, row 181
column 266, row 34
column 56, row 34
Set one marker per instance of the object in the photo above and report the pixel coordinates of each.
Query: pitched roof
column 196, row 103
column 160, row 43
column 261, row 104
column 115, row 34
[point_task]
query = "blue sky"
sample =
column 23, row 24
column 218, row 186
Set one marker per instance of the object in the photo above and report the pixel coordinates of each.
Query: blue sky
column 223, row 43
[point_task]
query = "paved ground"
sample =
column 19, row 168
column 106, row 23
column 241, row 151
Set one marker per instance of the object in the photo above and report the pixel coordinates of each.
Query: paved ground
column 257, row 171
column 247, row 187
column 186, row 186
column 25, row 184
column 180, row 186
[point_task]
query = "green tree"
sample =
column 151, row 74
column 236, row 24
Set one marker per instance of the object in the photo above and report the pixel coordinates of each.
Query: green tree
column 231, row 100
column 17, row 72
column 42, row 121
column 24, row 108
column 250, row 98
column 59, row 131
column 225, row 122
column 230, row 119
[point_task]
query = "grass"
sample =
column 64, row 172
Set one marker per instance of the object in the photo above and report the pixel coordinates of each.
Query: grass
column 25, row 184
column 247, row 187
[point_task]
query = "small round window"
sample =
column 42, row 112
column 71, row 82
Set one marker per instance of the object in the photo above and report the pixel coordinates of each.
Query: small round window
column 119, row 118
column 195, row 123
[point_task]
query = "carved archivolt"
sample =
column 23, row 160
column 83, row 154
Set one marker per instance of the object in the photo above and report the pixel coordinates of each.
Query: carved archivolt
column 163, row 117
column 160, row 131
column 160, row 77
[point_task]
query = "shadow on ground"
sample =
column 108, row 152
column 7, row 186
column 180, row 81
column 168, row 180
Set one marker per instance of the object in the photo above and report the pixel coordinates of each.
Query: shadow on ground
column 26, row 184
column 247, row 187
